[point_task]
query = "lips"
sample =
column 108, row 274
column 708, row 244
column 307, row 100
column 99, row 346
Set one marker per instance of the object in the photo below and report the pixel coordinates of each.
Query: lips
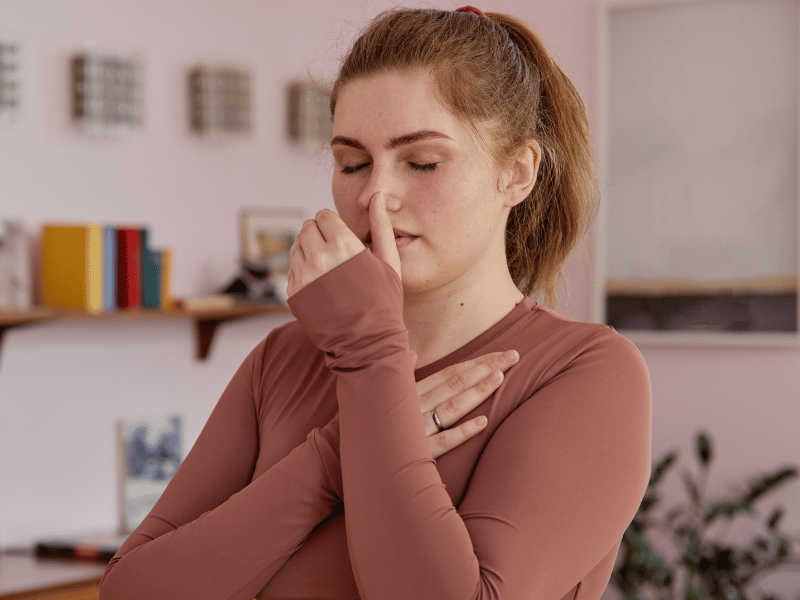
column 398, row 234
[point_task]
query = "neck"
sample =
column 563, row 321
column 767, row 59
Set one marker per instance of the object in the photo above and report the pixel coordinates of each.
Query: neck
column 441, row 321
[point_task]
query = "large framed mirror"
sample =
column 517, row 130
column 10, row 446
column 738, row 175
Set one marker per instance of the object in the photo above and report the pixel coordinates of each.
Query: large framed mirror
column 698, row 161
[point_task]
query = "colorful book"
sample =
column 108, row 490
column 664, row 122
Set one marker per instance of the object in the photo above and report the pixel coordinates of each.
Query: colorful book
column 72, row 267
column 151, row 278
column 129, row 268
column 109, row 268
column 150, row 454
column 167, row 299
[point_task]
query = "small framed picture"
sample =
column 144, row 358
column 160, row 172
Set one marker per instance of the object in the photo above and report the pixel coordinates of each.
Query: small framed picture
column 267, row 236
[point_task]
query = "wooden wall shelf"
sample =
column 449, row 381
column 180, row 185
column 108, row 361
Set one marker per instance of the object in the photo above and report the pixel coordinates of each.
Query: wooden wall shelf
column 206, row 320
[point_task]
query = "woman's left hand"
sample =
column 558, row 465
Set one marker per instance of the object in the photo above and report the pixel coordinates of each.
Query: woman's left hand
column 455, row 391
column 325, row 242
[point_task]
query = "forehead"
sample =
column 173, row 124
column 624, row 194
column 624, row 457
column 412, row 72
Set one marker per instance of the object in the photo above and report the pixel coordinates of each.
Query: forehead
column 393, row 103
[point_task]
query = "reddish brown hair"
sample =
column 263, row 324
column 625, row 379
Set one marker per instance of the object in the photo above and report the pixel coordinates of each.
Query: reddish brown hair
column 495, row 74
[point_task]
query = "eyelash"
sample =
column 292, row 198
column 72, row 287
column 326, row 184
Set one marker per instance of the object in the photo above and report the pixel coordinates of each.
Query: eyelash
column 351, row 170
column 414, row 166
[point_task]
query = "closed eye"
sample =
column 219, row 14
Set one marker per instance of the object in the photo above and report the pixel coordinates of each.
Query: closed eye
column 353, row 169
column 426, row 167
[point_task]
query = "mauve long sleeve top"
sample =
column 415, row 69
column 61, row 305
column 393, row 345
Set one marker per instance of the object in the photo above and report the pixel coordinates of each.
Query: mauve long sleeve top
column 313, row 478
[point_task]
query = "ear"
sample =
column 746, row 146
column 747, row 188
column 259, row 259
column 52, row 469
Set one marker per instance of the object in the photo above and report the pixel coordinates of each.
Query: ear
column 518, row 179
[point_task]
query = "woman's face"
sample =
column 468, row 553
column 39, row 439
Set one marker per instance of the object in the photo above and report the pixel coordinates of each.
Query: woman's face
column 392, row 135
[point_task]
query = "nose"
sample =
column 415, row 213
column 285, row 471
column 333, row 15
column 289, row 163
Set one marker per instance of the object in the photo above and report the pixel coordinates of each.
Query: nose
column 381, row 179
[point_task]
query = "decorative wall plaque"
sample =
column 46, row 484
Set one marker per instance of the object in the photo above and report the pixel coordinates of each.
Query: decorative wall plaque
column 106, row 93
column 9, row 79
column 309, row 114
column 219, row 101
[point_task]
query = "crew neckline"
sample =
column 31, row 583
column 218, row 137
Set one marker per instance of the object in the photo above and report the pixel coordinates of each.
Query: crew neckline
column 461, row 354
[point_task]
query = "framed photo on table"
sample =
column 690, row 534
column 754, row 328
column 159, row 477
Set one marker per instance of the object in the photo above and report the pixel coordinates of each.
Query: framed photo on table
column 267, row 236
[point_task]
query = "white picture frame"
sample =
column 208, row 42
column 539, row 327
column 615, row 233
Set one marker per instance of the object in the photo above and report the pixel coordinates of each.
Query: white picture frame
column 686, row 130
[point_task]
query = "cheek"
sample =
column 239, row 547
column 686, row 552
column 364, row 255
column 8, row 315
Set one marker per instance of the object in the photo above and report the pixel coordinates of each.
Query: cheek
column 345, row 199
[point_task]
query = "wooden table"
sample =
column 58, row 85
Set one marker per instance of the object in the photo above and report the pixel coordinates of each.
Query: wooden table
column 27, row 577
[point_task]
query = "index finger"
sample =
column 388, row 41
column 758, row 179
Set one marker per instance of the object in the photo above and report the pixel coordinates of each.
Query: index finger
column 498, row 360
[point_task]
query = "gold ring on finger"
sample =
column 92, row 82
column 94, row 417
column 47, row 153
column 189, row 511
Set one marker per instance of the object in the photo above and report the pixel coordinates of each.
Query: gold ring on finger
column 436, row 421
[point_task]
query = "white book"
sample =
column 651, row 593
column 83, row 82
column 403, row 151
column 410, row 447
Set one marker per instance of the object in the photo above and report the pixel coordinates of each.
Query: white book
column 18, row 266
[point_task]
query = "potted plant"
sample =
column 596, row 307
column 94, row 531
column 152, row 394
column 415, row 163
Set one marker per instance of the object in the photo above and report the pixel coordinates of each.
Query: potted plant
column 694, row 560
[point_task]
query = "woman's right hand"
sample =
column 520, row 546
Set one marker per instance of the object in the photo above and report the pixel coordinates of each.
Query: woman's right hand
column 456, row 390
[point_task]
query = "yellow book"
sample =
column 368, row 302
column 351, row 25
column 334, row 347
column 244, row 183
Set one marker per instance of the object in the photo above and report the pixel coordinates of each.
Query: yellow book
column 167, row 301
column 72, row 267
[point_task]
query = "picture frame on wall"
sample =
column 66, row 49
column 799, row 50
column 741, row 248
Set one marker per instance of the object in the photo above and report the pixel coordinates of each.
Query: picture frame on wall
column 698, row 159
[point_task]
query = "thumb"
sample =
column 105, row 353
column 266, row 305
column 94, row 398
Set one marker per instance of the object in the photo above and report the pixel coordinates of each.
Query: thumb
column 383, row 244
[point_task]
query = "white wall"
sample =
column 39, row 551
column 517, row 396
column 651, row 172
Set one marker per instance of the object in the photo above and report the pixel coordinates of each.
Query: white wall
column 63, row 385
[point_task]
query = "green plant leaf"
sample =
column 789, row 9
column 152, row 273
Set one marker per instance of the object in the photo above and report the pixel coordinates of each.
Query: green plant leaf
column 774, row 519
column 723, row 509
column 767, row 483
column 648, row 502
column 704, row 452
column 662, row 467
column 692, row 489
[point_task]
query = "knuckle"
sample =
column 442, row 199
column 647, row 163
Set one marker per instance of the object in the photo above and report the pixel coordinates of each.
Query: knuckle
column 450, row 406
column 320, row 262
column 441, row 441
column 457, row 382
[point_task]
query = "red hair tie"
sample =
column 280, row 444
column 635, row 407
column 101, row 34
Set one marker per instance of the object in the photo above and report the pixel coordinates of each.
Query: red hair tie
column 471, row 9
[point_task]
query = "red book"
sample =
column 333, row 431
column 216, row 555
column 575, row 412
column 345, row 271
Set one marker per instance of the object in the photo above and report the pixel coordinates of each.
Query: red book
column 129, row 268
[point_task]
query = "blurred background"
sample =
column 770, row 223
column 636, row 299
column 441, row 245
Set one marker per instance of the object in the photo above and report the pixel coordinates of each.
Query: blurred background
column 64, row 385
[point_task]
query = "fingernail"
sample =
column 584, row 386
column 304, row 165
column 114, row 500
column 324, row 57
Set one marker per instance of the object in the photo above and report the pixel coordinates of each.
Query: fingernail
column 481, row 421
column 495, row 376
column 510, row 355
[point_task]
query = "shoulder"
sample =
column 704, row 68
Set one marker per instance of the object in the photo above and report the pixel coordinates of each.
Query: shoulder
column 554, row 346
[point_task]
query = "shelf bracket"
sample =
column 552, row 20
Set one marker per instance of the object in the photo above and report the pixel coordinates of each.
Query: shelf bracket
column 205, row 329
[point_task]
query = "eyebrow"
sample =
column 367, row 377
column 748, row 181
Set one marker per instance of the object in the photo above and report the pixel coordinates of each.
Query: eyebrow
column 403, row 140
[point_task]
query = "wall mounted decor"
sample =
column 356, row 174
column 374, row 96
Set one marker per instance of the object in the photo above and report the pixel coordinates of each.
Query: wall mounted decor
column 309, row 114
column 107, row 93
column 219, row 101
column 698, row 154
column 9, row 79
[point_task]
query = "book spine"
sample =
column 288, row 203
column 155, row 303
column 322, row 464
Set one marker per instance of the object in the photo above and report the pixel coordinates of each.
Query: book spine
column 151, row 279
column 94, row 269
column 167, row 298
column 71, row 267
column 129, row 268
column 18, row 271
column 109, row 268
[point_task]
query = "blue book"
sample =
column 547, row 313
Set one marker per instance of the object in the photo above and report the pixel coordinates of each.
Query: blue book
column 109, row 268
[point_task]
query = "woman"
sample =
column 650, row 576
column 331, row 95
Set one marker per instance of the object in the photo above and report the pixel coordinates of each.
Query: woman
column 462, row 179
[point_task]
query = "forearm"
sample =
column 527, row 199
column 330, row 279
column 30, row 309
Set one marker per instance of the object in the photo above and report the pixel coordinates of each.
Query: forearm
column 406, row 538
column 233, row 550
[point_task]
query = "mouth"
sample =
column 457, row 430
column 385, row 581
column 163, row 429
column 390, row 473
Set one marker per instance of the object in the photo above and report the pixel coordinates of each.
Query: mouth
column 398, row 234
column 401, row 238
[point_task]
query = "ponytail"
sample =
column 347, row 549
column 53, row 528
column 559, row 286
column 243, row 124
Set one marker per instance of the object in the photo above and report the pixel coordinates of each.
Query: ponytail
column 543, row 230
